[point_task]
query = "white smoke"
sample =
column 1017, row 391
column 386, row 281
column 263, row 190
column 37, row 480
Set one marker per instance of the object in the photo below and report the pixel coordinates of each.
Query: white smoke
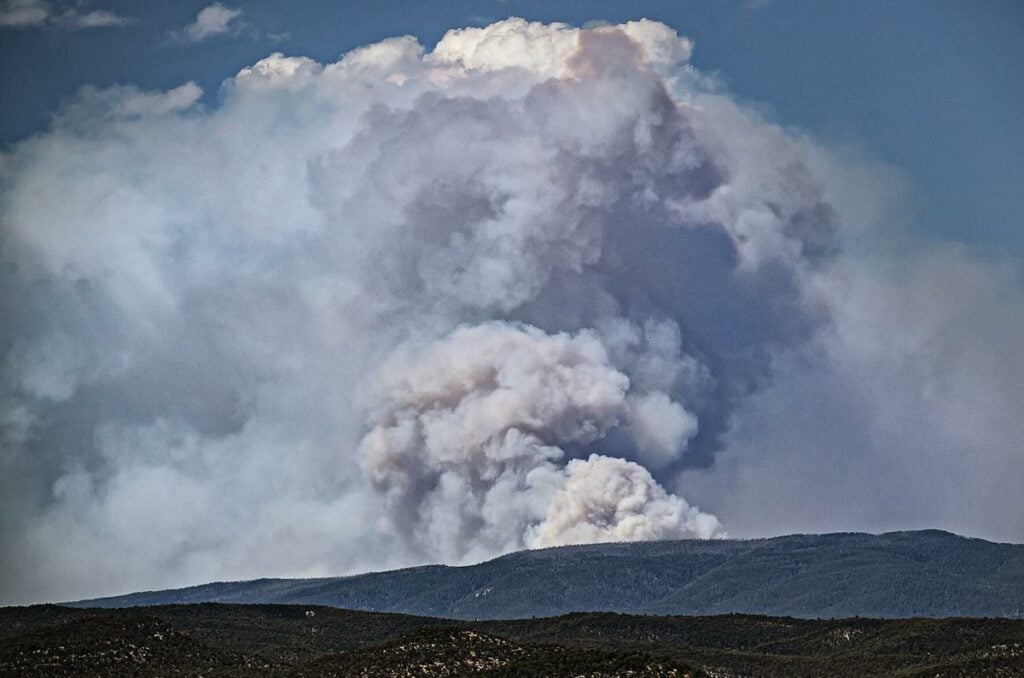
column 466, row 446
column 403, row 307
column 608, row 499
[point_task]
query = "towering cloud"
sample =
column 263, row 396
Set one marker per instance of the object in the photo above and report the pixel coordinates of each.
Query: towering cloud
column 532, row 287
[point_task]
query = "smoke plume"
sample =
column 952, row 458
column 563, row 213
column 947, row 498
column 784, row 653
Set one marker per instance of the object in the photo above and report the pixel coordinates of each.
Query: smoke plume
column 468, row 447
column 532, row 287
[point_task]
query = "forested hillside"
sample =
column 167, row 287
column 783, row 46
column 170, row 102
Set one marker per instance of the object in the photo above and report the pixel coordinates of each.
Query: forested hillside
column 900, row 574
column 282, row 640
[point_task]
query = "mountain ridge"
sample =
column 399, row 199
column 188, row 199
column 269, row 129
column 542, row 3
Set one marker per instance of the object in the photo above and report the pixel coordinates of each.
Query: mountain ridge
column 926, row 573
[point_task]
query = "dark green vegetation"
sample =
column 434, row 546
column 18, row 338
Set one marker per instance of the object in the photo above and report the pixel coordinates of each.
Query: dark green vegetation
column 900, row 574
column 280, row 640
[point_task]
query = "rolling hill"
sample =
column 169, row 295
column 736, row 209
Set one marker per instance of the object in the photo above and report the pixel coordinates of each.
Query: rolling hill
column 900, row 574
column 289, row 640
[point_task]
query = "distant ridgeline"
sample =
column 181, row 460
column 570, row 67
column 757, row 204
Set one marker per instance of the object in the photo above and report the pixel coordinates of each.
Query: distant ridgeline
column 899, row 574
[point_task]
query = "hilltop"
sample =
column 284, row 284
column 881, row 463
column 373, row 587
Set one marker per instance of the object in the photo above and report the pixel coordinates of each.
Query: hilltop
column 901, row 574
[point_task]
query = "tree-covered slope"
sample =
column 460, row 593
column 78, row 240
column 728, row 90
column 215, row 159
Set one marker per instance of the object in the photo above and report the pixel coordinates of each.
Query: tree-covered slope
column 288, row 640
column 900, row 574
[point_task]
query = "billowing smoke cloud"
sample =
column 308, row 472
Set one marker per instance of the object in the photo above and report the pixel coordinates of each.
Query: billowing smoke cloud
column 607, row 499
column 530, row 288
column 468, row 447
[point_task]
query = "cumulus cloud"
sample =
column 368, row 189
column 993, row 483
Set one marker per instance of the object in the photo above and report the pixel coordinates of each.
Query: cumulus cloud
column 39, row 13
column 547, row 50
column 534, row 286
column 212, row 21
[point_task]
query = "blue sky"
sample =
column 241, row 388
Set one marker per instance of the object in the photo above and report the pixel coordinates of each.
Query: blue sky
column 935, row 88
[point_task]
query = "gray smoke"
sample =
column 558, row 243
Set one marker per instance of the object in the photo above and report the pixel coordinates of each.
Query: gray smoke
column 530, row 288
column 468, row 446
